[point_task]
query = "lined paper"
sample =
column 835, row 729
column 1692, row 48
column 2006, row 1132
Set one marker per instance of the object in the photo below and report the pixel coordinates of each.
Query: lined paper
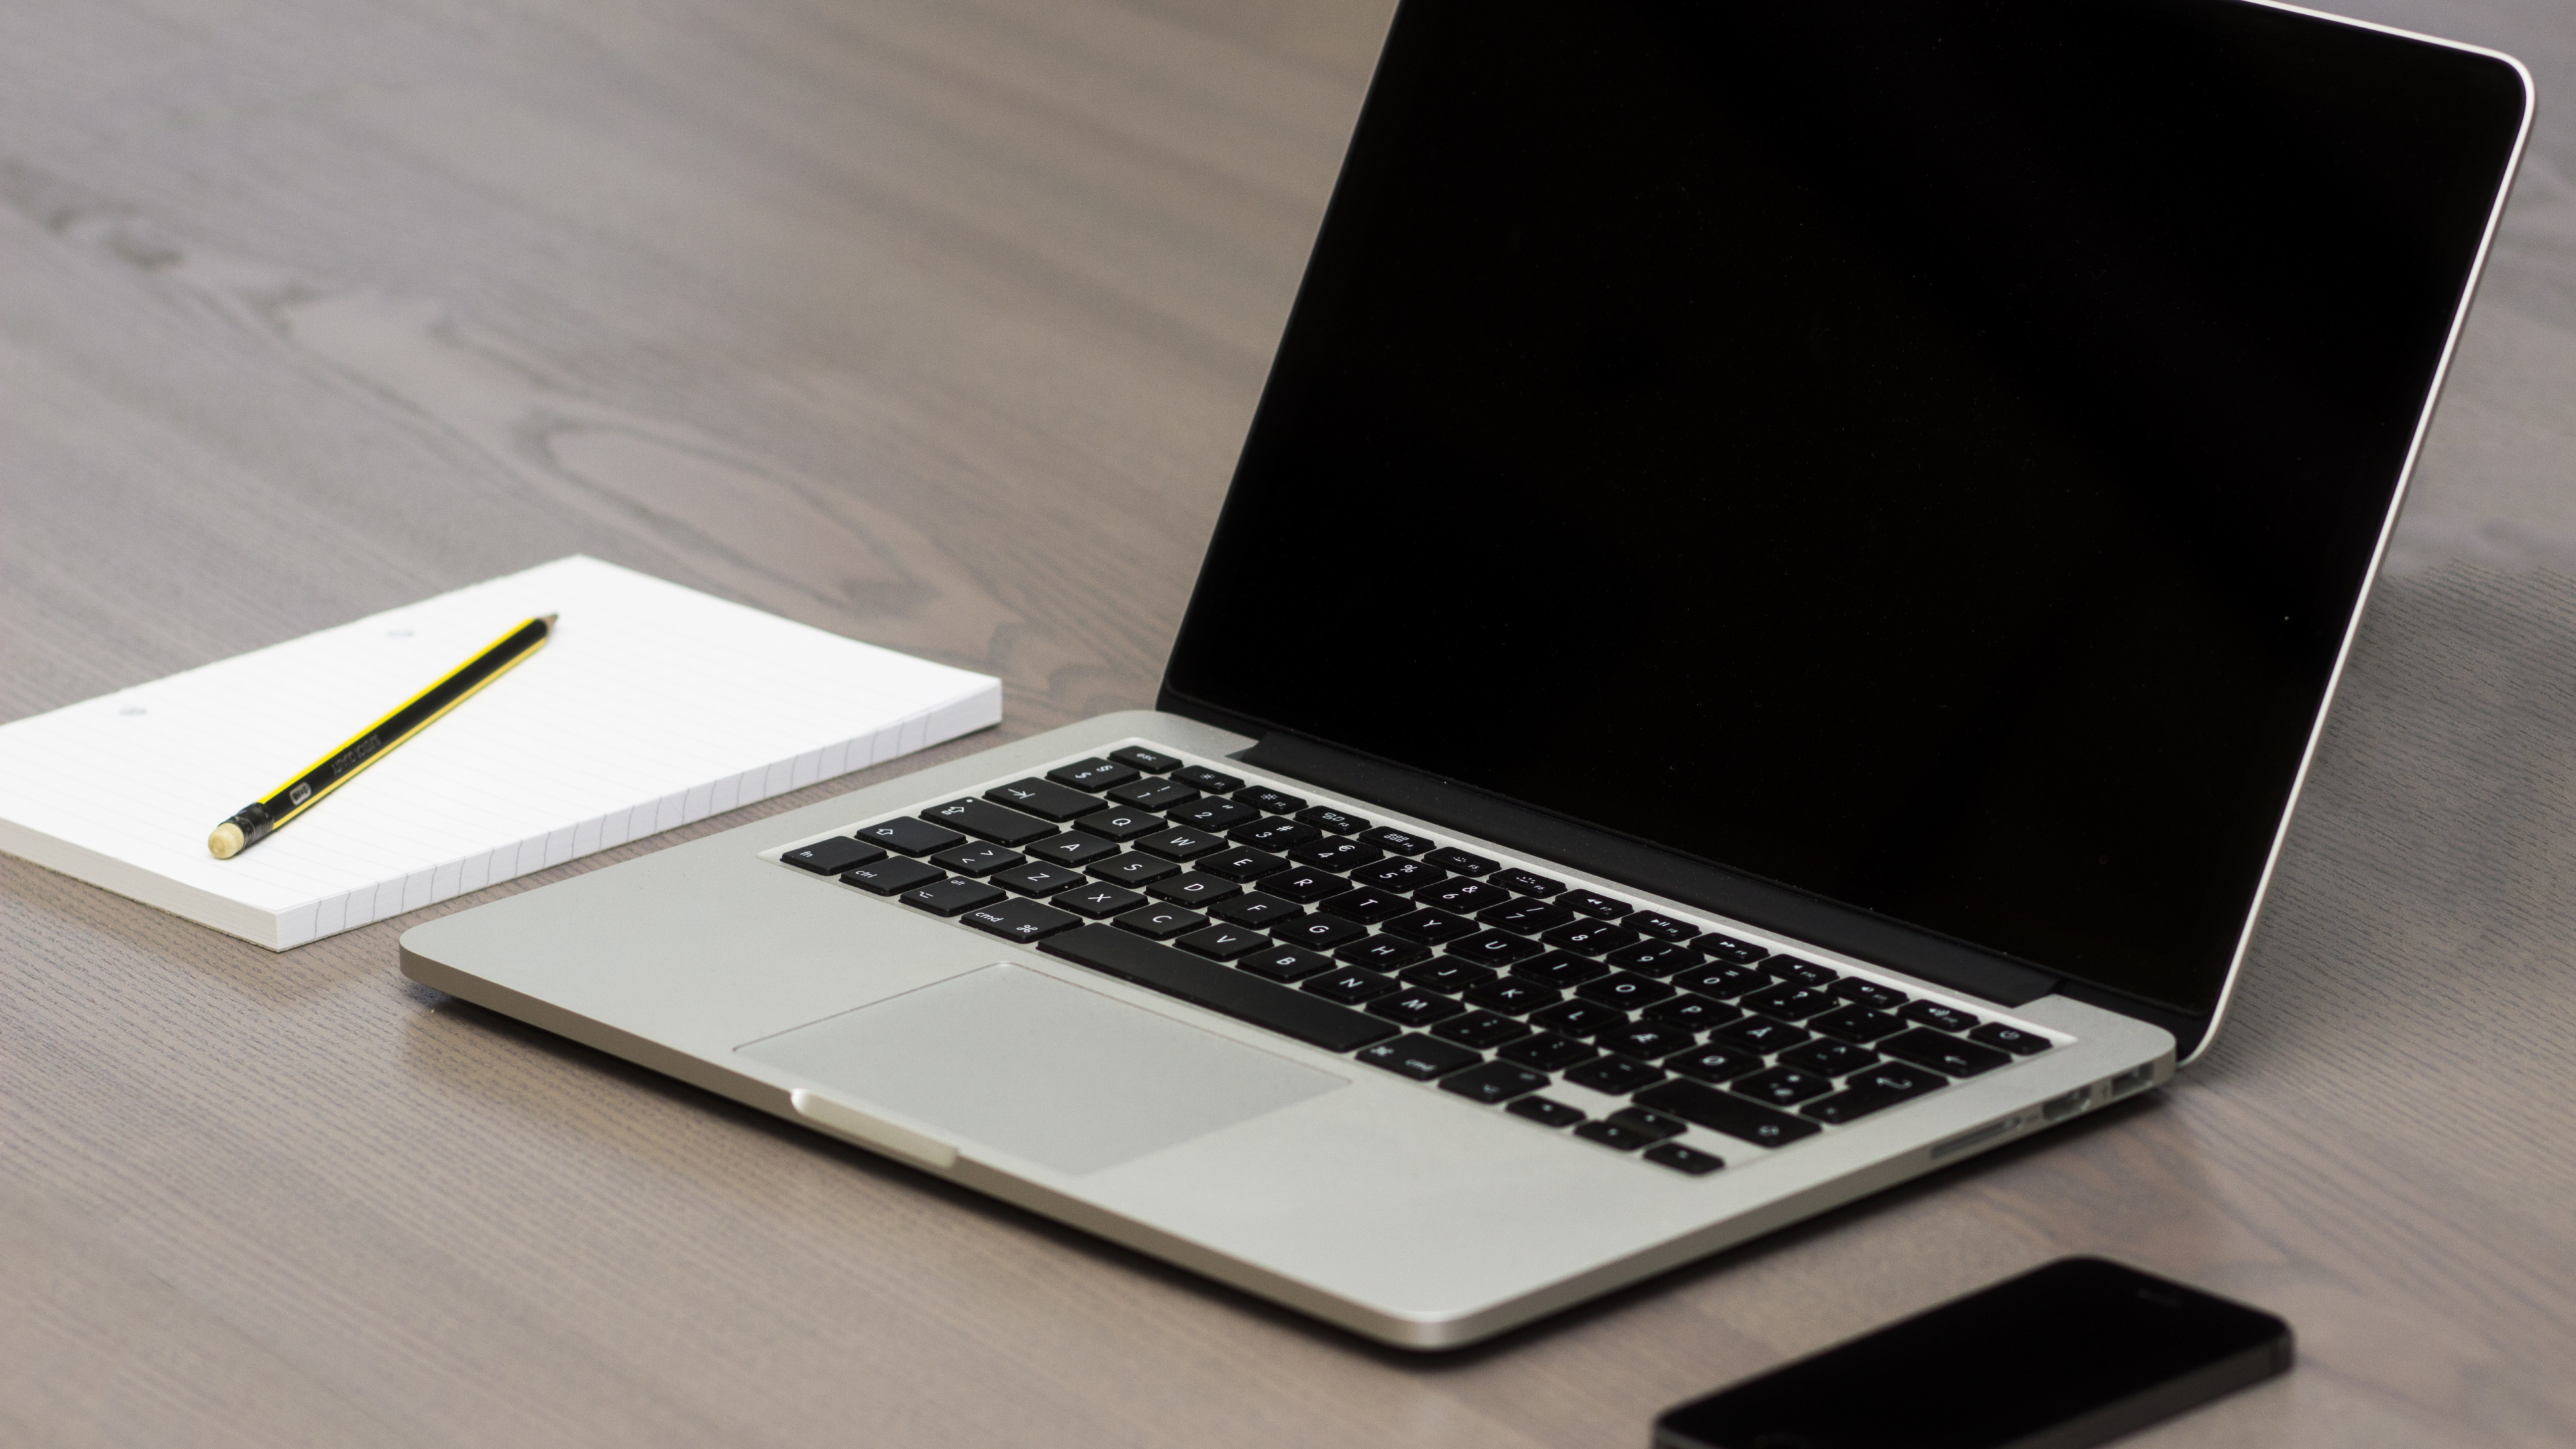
column 653, row 705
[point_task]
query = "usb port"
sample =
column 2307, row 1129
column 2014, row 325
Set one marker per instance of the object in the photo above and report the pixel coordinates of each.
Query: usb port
column 2058, row 1109
column 2132, row 1079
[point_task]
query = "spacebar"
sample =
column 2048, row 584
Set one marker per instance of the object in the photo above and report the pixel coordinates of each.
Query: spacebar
column 1218, row 988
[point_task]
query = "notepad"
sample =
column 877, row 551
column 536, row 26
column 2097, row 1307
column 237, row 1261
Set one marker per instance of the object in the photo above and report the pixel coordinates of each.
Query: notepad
column 654, row 705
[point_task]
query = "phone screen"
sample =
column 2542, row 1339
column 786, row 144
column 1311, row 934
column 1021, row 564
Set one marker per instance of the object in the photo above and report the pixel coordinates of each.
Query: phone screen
column 2080, row 1351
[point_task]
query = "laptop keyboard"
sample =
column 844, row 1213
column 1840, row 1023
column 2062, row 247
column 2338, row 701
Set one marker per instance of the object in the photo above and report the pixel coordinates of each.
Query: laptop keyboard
column 1481, row 977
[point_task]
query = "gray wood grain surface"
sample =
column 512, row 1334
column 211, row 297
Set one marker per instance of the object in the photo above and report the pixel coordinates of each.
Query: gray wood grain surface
column 938, row 325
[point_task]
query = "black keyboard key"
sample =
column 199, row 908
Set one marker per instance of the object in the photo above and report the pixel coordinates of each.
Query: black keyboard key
column 1653, row 1123
column 1119, row 823
column 1654, row 958
column 1529, row 917
column 1459, row 862
column 1036, row 879
column 1152, row 762
column 1592, row 938
column 1180, row 844
column 1317, row 933
column 1495, row 948
column 1196, row 890
column 1493, row 1082
column 1873, row 1089
column 987, row 821
column 1160, row 923
column 1367, row 907
column 1072, row 848
column 1415, row 1008
column 1706, row 1106
column 1223, row 943
column 1212, row 814
column 1446, row 975
column 1727, row 948
column 1480, row 1029
column 1624, row 990
column 1466, row 897
column 1829, row 1058
column 886, row 877
column 1272, row 833
column 1215, row 782
column 1431, row 928
column 2011, row 1038
column 1326, row 818
column 1645, row 1040
column 1805, row 973
column 1382, row 952
column 1580, row 1018
column 1527, row 884
column 1238, row 994
column 833, row 856
column 1661, row 926
column 1782, row 1086
column 1258, row 910
column 1305, row 885
column 1285, row 963
column 1548, row 1052
column 1927, row 1048
column 1020, row 920
column 1856, row 1024
column 1098, row 902
column 909, row 836
column 976, row 858
column 1761, row 1034
column 1713, row 1063
column 1094, row 774
column 1400, row 875
column 1560, row 969
column 1132, row 870
column 1869, row 993
column 948, row 897
column 1153, row 794
column 1263, row 798
column 1694, row 1011
column 1420, row 1057
column 1722, row 980
column 1045, row 799
column 1350, row 986
column 1595, row 904
column 1511, row 996
column 1682, row 1158
column 1616, row 1076
column 1614, row 1134
column 1402, row 842
column 1934, row 1014
column 1790, row 1001
column 1545, row 1111
column 1334, row 852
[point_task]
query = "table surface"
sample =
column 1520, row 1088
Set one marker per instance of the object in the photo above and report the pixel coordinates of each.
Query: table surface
column 939, row 325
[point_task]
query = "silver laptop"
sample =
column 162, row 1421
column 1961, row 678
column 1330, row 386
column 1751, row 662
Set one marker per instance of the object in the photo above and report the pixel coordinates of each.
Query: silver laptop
column 1763, row 641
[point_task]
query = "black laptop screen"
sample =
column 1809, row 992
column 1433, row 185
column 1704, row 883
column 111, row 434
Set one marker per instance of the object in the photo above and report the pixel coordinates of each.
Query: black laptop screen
column 1925, row 453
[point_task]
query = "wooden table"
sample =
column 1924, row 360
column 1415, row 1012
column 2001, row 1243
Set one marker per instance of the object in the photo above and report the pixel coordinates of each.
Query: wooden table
column 939, row 325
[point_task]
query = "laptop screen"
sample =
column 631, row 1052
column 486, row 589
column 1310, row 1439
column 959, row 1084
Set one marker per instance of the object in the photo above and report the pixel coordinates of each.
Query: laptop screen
column 1927, row 454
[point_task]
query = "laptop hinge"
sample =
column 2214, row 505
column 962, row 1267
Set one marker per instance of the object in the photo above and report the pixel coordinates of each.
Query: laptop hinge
column 1652, row 868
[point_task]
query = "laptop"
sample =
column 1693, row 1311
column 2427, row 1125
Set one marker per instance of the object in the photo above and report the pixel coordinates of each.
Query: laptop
column 1763, row 641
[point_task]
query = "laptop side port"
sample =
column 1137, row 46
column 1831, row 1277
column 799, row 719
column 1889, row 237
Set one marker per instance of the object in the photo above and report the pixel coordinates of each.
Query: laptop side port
column 2131, row 1080
column 2058, row 1109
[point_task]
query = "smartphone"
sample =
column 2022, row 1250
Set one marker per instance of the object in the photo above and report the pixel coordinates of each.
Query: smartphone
column 2076, row 1353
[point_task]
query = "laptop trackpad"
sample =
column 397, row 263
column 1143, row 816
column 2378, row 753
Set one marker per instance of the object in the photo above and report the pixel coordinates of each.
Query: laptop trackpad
column 1018, row 1060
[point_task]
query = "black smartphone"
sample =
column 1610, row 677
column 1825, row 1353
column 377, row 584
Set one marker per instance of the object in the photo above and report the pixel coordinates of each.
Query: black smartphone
column 2072, row 1354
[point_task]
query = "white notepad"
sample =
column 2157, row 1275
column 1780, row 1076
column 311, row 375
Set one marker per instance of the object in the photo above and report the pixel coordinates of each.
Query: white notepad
column 653, row 705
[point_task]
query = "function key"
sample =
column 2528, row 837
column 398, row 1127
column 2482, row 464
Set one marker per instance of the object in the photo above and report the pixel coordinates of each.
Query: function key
column 909, row 836
column 1150, row 761
column 1336, row 853
column 976, row 859
column 1152, row 794
column 1305, row 885
column 1857, row 1023
column 1663, row 927
column 2011, row 1038
column 1324, row 817
column 1020, row 920
column 1869, row 993
column 1593, row 903
column 1213, row 814
column 1727, row 948
column 1398, row 874
column 893, row 874
column 948, row 897
column 1933, row 1013
column 1044, row 799
column 989, row 821
column 1683, row 1159
column 1132, row 869
column 1493, row 1082
column 1259, row 908
column 1215, row 782
column 1181, row 844
column 1242, row 864
column 1116, row 823
column 1420, row 1057
column 1272, row 833
column 831, row 857
column 1098, row 901
column 1161, row 923
column 1790, row 968
column 1941, row 1053
column 1034, row 879
column 1545, row 1111
column 1592, row 938
column 1093, row 774
column 1527, row 884
column 1402, row 842
column 1072, row 848
column 1458, row 862
column 1262, row 797
column 1654, row 958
